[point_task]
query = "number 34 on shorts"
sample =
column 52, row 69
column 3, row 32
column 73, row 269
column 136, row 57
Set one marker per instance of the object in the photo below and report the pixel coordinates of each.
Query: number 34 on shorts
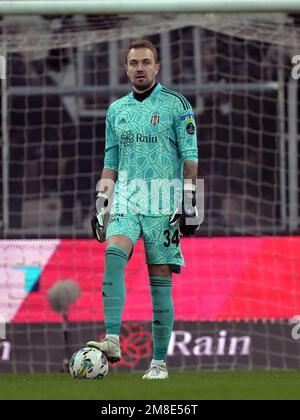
column 162, row 241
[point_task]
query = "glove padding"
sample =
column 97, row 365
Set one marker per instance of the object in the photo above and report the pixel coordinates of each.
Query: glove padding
column 100, row 217
column 186, row 214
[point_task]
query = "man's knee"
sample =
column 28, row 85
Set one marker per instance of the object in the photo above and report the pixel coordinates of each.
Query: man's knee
column 163, row 270
column 122, row 241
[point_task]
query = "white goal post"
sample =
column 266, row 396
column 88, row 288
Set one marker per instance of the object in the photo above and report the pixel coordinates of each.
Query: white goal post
column 26, row 7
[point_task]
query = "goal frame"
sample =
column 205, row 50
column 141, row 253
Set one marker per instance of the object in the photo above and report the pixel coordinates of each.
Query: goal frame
column 29, row 7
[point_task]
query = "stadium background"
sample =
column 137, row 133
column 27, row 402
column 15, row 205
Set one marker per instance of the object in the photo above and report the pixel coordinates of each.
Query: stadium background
column 240, row 286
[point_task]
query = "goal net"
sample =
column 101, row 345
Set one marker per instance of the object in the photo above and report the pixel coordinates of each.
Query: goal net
column 62, row 72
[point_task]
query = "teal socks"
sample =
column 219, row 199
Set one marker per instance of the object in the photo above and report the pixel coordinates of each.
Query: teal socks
column 113, row 287
column 163, row 315
column 113, row 292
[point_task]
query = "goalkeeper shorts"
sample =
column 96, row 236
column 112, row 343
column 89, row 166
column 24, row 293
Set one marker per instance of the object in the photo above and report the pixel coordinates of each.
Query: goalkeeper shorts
column 162, row 241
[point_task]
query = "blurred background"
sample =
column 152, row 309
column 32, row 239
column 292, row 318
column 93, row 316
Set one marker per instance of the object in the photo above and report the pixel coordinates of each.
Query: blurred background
column 55, row 100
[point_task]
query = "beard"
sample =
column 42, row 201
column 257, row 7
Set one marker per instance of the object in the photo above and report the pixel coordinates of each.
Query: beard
column 142, row 87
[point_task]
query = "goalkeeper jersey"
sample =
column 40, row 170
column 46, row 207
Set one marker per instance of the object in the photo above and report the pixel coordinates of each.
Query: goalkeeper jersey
column 146, row 144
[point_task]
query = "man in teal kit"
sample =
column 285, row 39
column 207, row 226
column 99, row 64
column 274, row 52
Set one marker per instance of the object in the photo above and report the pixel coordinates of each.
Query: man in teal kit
column 147, row 189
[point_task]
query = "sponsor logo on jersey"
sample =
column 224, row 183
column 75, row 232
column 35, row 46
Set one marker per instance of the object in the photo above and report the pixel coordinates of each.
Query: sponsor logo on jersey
column 187, row 118
column 146, row 139
column 190, row 128
column 128, row 137
column 155, row 119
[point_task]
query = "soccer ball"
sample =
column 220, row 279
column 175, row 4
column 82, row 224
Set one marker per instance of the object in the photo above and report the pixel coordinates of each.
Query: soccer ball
column 88, row 363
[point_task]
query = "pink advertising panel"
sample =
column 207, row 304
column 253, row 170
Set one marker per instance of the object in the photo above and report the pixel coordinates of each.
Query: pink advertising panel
column 224, row 279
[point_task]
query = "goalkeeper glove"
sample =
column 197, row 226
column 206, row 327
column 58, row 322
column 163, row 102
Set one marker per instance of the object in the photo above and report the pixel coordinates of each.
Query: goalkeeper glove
column 100, row 217
column 187, row 213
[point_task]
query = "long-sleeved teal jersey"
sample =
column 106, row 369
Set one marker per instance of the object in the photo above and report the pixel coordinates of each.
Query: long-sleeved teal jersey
column 146, row 144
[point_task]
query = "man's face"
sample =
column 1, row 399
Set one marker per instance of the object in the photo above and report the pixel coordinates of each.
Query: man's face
column 141, row 68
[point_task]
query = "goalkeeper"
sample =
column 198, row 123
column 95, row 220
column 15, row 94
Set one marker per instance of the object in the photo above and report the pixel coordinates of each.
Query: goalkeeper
column 150, row 140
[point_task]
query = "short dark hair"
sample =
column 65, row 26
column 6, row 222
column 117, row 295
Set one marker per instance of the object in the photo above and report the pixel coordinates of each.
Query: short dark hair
column 143, row 43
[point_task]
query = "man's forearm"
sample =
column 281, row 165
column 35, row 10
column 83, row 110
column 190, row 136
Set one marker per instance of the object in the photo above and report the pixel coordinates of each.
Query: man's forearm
column 107, row 182
column 190, row 172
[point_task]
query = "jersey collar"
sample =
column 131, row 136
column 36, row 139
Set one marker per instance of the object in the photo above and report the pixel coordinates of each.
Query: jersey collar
column 140, row 97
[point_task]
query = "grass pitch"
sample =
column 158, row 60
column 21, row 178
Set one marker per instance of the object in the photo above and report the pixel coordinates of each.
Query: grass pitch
column 129, row 386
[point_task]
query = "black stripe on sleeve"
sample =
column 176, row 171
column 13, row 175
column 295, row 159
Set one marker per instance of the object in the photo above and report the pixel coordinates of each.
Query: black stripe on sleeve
column 182, row 99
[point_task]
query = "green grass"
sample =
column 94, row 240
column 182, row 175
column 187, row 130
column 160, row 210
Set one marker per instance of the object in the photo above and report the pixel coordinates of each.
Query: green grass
column 129, row 386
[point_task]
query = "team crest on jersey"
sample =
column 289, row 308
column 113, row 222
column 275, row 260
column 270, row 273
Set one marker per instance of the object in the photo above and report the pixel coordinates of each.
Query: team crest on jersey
column 155, row 119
